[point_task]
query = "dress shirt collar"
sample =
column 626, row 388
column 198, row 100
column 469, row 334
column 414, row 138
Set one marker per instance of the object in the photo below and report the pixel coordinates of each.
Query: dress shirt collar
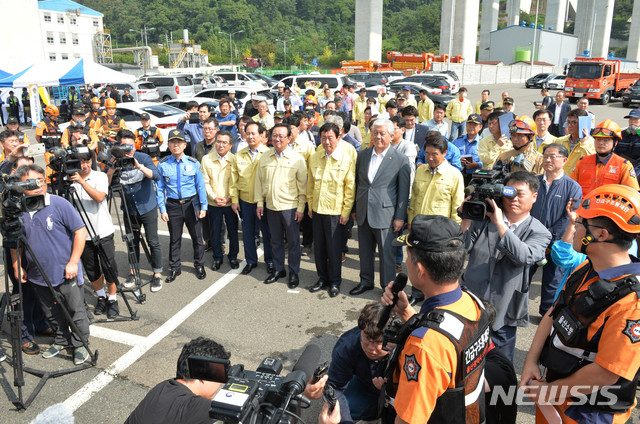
column 559, row 177
column 514, row 225
column 382, row 155
column 437, row 169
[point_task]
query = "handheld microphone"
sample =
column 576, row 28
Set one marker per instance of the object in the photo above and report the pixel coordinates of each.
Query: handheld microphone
column 398, row 285
column 296, row 380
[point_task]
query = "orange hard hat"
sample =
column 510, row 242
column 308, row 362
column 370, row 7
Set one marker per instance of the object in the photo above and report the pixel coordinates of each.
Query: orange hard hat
column 52, row 110
column 620, row 203
column 530, row 122
column 518, row 126
column 109, row 103
column 95, row 100
column 607, row 128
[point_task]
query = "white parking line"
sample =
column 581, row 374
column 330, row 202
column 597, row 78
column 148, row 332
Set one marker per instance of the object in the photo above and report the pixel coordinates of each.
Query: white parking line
column 146, row 343
column 116, row 336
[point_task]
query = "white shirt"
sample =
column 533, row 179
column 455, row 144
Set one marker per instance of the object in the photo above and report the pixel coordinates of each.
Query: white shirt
column 96, row 213
column 375, row 162
column 409, row 134
column 513, row 225
column 544, row 178
column 556, row 114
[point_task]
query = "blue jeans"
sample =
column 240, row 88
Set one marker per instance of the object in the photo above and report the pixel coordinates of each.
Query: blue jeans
column 249, row 222
column 457, row 129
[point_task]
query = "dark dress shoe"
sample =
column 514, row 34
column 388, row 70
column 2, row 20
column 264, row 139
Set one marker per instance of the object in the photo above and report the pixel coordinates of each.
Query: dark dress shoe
column 334, row 291
column 247, row 269
column 318, row 286
column 200, row 272
column 359, row 289
column 274, row 276
column 174, row 274
column 216, row 265
column 271, row 268
column 293, row 280
column 234, row 263
column 414, row 300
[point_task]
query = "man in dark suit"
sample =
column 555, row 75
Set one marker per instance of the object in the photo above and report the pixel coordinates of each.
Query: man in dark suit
column 382, row 193
column 414, row 132
column 559, row 110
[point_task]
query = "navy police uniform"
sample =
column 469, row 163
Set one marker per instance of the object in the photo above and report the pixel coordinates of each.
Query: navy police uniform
column 182, row 194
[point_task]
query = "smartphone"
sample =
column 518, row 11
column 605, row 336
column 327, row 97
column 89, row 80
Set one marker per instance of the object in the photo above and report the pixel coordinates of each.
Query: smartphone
column 194, row 118
column 34, row 149
column 319, row 372
column 210, row 369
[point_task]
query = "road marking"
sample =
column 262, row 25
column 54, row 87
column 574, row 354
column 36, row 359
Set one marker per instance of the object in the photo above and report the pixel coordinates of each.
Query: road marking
column 100, row 381
column 116, row 336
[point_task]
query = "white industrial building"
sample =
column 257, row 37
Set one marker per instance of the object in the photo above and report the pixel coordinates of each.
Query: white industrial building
column 514, row 44
column 49, row 30
column 67, row 29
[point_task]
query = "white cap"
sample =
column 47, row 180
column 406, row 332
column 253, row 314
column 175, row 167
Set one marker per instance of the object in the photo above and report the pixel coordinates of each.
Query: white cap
column 280, row 84
column 232, row 91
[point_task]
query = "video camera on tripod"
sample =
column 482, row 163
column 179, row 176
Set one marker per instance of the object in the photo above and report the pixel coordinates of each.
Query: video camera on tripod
column 113, row 155
column 485, row 184
column 261, row 394
column 15, row 202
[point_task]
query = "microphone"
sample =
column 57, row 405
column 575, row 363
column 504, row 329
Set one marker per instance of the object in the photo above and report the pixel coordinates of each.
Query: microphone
column 468, row 191
column 398, row 286
column 296, row 380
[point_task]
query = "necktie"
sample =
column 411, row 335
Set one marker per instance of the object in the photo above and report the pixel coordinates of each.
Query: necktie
column 179, row 183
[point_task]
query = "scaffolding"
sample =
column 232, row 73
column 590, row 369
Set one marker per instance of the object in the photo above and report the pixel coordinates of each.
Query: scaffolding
column 102, row 52
column 187, row 55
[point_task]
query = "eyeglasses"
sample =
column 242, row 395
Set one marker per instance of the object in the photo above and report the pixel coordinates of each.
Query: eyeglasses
column 208, row 129
column 586, row 224
column 552, row 157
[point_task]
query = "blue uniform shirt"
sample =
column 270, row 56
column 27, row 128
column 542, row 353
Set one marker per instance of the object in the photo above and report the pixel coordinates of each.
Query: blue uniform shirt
column 468, row 148
column 180, row 179
column 452, row 156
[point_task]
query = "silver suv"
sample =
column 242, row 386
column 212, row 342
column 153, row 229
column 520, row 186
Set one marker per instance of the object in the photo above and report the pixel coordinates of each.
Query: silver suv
column 172, row 86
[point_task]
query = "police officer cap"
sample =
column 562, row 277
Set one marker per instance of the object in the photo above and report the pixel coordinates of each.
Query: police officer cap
column 474, row 118
column 507, row 100
column 78, row 111
column 401, row 96
column 279, row 114
column 287, row 102
column 145, row 116
column 635, row 113
column 431, row 233
column 486, row 106
column 12, row 120
column 176, row 135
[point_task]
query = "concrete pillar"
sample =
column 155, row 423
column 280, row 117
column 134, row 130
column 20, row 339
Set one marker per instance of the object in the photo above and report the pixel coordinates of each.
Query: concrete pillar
column 368, row 38
column 633, row 50
column 593, row 26
column 465, row 28
column 555, row 14
column 513, row 12
column 490, row 10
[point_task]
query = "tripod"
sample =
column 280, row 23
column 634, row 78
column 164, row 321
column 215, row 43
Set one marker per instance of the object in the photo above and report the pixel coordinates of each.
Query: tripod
column 130, row 229
column 14, row 239
column 69, row 192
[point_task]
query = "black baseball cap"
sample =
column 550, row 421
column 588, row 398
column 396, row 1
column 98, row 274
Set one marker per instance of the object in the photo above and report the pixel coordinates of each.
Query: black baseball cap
column 508, row 100
column 486, row 106
column 145, row 116
column 12, row 120
column 78, row 111
column 279, row 114
column 431, row 233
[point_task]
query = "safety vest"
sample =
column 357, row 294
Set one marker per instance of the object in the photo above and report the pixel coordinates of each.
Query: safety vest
column 568, row 349
column 85, row 130
column 72, row 98
column 13, row 101
column 25, row 99
column 50, row 128
column 148, row 145
column 629, row 147
column 589, row 178
column 111, row 123
column 471, row 345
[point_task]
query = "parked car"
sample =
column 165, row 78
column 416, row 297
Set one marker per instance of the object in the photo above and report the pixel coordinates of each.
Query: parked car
column 141, row 91
column 555, row 83
column 242, row 79
column 433, row 81
column 631, row 95
column 243, row 94
column 281, row 76
column 182, row 103
column 270, row 81
column 537, row 80
column 369, row 78
column 453, row 82
column 415, row 90
column 335, row 82
column 393, row 75
column 172, row 86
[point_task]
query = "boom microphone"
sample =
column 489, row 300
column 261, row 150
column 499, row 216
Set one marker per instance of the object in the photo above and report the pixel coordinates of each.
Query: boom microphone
column 398, row 285
column 302, row 372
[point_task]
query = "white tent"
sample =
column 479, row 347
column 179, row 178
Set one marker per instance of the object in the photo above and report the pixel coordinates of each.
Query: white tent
column 72, row 72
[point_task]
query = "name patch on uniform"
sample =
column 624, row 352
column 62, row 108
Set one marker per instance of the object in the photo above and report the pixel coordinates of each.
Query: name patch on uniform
column 411, row 367
column 473, row 355
column 613, row 170
column 167, row 179
column 632, row 330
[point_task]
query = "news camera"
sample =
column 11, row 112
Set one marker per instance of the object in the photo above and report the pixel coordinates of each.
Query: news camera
column 65, row 161
column 113, row 155
column 485, row 184
column 15, row 202
column 257, row 396
column 150, row 144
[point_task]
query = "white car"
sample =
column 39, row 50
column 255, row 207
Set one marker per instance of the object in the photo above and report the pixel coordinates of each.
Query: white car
column 243, row 94
column 556, row 83
column 393, row 75
column 455, row 85
column 182, row 103
column 242, row 79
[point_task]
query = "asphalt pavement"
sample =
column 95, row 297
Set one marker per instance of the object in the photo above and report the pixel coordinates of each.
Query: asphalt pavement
column 250, row 319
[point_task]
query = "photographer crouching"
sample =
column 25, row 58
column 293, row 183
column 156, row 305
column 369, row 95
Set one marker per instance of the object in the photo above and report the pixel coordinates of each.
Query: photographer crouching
column 187, row 400
column 503, row 244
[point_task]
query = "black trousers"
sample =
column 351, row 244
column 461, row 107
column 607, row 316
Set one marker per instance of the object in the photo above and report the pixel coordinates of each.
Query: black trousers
column 329, row 236
column 283, row 224
column 179, row 215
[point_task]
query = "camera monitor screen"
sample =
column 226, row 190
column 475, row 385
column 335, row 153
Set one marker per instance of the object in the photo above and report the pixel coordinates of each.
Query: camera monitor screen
column 210, row 369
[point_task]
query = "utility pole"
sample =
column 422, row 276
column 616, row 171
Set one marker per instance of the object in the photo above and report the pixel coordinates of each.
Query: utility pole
column 230, row 34
column 285, row 49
